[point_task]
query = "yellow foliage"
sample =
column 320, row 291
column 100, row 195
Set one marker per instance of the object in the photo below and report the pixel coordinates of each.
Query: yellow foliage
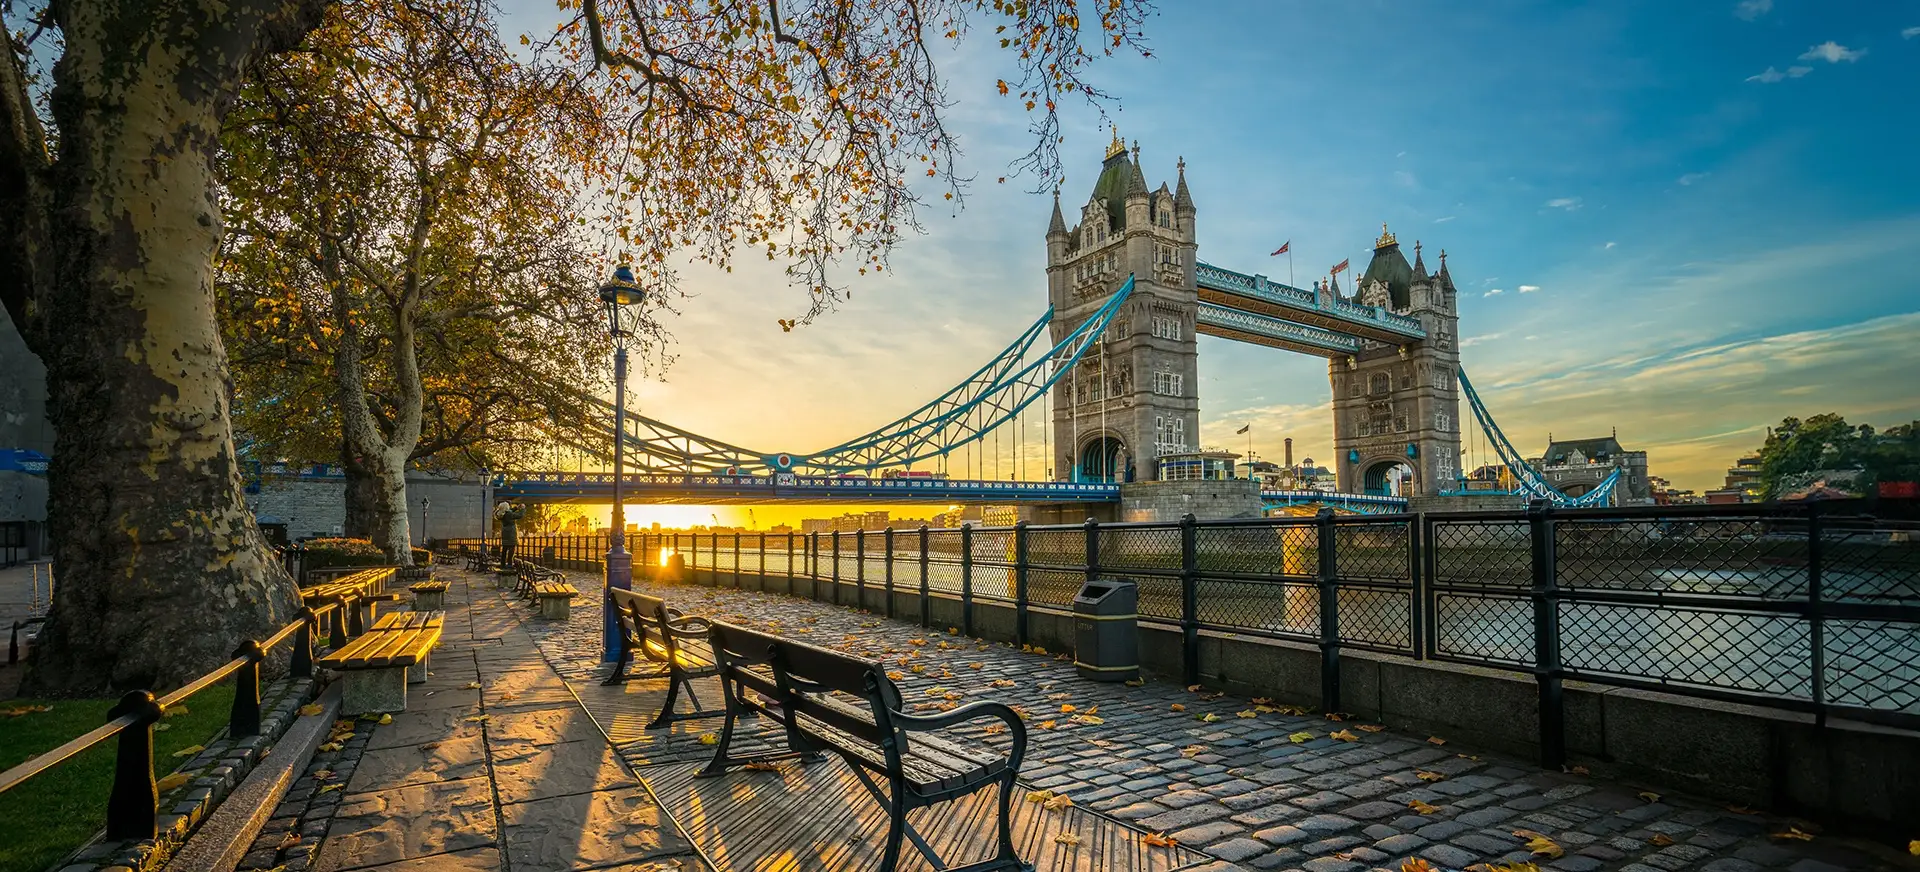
column 1422, row 806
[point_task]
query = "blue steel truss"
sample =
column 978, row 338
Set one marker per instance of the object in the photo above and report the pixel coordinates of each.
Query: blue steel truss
column 1303, row 337
column 992, row 396
column 1532, row 483
column 1329, row 309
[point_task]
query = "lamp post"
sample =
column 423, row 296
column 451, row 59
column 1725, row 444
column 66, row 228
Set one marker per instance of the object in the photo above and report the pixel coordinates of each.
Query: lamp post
column 622, row 296
column 425, row 539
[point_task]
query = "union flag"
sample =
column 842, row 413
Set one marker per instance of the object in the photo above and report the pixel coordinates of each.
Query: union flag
column 1283, row 249
column 1342, row 266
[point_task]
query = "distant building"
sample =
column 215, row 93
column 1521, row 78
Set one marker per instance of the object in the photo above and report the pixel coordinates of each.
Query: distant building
column 816, row 525
column 1742, row 483
column 781, row 529
column 1665, row 494
column 1577, row 466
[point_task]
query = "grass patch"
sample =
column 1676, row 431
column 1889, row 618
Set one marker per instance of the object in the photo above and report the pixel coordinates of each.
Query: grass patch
column 48, row 817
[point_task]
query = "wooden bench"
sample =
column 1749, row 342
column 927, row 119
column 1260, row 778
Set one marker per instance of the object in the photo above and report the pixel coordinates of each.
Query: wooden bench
column 795, row 683
column 476, row 559
column 663, row 635
column 428, row 596
column 358, row 594
column 555, row 598
column 377, row 667
column 528, row 574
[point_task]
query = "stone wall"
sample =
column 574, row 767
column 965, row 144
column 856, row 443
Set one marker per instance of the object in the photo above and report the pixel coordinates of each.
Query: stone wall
column 23, row 424
column 1207, row 500
column 317, row 506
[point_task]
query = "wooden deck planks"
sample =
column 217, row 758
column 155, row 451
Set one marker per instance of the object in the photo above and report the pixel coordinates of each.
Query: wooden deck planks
column 819, row 817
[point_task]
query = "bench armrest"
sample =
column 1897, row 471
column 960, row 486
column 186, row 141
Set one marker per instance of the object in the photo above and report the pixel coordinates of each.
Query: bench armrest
column 690, row 626
column 972, row 712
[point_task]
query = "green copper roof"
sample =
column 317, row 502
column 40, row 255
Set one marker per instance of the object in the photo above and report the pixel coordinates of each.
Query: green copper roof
column 1391, row 267
column 1115, row 175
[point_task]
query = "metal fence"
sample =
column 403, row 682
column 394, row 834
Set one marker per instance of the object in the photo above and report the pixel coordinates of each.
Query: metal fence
column 1807, row 608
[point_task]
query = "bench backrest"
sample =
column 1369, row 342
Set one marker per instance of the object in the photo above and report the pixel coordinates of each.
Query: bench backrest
column 800, row 670
column 646, row 616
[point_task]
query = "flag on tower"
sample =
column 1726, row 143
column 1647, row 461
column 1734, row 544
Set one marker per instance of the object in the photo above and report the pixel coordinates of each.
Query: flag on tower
column 1243, row 429
column 1341, row 266
column 1283, row 249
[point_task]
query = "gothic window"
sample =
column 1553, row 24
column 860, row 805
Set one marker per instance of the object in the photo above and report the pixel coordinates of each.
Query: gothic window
column 1169, row 436
column 1442, row 422
column 1442, row 380
column 1166, row 328
column 1167, row 384
column 1380, row 383
column 1380, row 416
column 1406, row 381
column 1094, row 390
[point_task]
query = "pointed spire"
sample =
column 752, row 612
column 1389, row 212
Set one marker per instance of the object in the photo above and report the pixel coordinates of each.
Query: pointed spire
column 1058, row 224
column 1182, row 200
column 1446, row 281
column 1419, row 266
column 1137, row 183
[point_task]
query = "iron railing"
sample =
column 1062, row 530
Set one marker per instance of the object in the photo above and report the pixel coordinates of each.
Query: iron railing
column 133, row 800
column 1807, row 608
column 569, row 551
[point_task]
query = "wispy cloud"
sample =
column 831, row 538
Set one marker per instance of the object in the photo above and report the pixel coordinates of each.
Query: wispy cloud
column 1405, row 179
column 1471, row 341
column 1444, row 220
column 1610, row 245
column 1771, row 75
column 1528, row 289
column 1494, row 293
column 1748, row 10
column 1910, row 33
column 1690, row 178
column 1833, row 53
column 1567, row 203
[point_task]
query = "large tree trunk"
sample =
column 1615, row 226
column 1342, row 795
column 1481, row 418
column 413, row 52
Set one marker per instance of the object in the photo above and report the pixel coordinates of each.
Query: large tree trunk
column 391, row 530
column 362, row 495
column 163, row 571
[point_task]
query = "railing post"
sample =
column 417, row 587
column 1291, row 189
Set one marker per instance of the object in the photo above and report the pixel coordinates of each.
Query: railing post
column 1417, row 586
column 1189, row 599
column 966, row 579
column 337, row 625
column 132, row 811
column 886, row 541
column 1817, row 614
column 1546, row 635
column 836, row 567
column 925, row 595
column 244, row 718
column 789, row 563
column 1092, row 528
column 1020, row 582
column 761, row 566
column 813, row 566
column 736, row 560
column 1329, row 572
column 860, row 568
column 301, row 664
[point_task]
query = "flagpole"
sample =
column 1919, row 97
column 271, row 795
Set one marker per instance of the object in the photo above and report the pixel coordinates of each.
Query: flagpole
column 1290, row 283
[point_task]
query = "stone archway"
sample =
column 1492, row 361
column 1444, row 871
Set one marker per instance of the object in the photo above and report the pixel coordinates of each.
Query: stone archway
column 1388, row 477
column 1102, row 459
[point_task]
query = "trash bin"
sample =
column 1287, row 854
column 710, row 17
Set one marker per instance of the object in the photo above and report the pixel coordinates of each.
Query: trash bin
column 547, row 555
column 1106, row 630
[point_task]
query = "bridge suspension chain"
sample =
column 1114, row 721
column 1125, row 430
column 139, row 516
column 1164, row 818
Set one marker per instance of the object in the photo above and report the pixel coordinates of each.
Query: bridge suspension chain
column 1531, row 481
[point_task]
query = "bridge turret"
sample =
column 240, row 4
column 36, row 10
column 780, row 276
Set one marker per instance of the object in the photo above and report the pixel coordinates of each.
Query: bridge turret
column 1057, row 236
column 1183, row 204
column 1139, row 201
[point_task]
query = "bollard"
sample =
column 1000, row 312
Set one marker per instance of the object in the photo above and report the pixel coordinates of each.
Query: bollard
column 132, row 804
column 244, row 719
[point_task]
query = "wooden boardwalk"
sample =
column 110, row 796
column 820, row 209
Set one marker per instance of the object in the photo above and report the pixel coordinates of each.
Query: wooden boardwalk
column 818, row 817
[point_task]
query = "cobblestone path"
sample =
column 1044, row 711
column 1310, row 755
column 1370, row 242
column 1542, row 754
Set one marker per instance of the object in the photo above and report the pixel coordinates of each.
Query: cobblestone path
column 1264, row 785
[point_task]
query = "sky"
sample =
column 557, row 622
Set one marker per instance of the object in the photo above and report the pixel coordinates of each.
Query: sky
column 1677, row 221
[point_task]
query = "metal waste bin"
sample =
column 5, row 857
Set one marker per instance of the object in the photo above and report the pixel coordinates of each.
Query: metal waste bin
column 1106, row 630
column 546, row 555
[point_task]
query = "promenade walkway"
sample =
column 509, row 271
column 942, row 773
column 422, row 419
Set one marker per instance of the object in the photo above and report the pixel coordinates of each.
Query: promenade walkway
column 513, row 757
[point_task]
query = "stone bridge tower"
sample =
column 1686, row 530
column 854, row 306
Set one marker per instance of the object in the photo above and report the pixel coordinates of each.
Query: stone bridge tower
column 1135, row 396
column 1400, row 404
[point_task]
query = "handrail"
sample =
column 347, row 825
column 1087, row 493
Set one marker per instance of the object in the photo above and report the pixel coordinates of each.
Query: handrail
column 142, row 710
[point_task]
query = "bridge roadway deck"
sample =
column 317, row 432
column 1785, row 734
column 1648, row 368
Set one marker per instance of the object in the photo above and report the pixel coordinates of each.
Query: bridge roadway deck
column 1236, row 788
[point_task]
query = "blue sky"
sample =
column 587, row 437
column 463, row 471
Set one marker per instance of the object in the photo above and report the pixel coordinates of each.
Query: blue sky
column 1684, row 220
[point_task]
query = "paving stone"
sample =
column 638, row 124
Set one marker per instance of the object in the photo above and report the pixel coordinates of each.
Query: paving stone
column 1764, row 855
column 1576, row 863
column 1182, row 798
column 408, row 822
column 1373, row 810
column 1440, row 830
column 569, row 832
column 1282, row 835
column 1401, row 844
column 1329, row 846
column 1450, row 856
column 1327, row 823
column 1262, row 796
column 1485, row 817
column 1484, row 843
column 1329, row 864
column 1730, row 864
column 1261, row 817
column 1206, row 834
column 1237, row 849
column 1185, row 817
column 1137, row 811
column 446, row 760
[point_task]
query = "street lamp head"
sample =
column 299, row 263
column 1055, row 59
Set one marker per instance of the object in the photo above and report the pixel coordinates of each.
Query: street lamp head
column 622, row 296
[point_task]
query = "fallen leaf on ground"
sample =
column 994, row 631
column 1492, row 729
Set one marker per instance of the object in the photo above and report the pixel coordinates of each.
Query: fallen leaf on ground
column 1067, row 839
column 385, row 719
column 1193, row 750
column 995, row 729
column 1422, row 806
column 1089, row 720
column 1177, row 707
column 479, row 719
column 1039, row 795
column 1741, row 809
column 311, row 709
column 1913, row 847
column 897, row 676
column 1193, row 688
column 1425, row 775
column 323, row 775
column 1436, row 740
column 1344, row 736
column 473, row 685
column 1059, row 803
column 1162, row 840
column 976, row 666
column 1416, row 864
column 189, row 750
column 1545, row 847
column 1247, row 714
column 1002, row 682
column 1794, row 833
column 1579, row 770
column 709, row 739
column 918, row 667
column 1371, row 728
column 763, row 766
column 1336, row 716
column 289, row 840
column 1661, row 839
column 1209, row 718
column 1046, row 725
column 170, row 782
column 1300, row 737
column 1067, row 708
column 330, row 746
column 1136, row 683
column 1649, row 796
column 332, row 787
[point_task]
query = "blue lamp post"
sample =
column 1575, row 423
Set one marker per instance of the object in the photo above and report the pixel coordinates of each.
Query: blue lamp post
column 621, row 296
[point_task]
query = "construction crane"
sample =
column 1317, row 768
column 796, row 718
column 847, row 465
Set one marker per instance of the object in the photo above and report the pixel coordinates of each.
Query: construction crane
column 752, row 523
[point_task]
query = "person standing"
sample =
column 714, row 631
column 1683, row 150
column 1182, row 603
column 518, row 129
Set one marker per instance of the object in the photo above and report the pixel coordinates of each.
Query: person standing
column 508, row 514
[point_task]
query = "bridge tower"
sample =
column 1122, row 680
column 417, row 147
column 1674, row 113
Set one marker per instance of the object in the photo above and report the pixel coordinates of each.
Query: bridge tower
column 1134, row 397
column 1400, row 404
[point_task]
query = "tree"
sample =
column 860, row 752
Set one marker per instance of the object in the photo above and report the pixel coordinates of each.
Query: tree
column 405, row 192
column 106, row 260
column 1796, row 449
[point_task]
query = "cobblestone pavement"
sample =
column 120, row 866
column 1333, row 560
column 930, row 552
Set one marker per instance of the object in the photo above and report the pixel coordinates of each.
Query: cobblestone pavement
column 493, row 766
column 1267, row 786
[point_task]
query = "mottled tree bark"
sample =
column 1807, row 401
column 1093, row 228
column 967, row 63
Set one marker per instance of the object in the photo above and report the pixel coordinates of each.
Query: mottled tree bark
column 362, row 495
column 162, row 569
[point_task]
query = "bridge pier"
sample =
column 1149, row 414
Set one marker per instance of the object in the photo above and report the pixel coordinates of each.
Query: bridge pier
column 1205, row 500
